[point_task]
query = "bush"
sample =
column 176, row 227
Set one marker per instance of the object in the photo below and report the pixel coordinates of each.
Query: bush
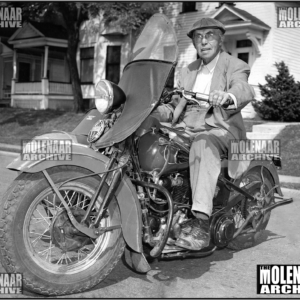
column 281, row 97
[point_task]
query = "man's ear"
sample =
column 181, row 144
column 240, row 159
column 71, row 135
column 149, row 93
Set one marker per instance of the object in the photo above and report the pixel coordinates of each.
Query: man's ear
column 194, row 43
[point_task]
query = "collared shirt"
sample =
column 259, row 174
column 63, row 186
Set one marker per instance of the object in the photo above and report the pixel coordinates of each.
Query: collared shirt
column 204, row 77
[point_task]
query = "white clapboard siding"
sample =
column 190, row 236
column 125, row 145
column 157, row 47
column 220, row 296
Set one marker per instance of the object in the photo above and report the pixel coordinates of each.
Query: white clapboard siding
column 182, row 23
column 286, row 44
column 265, row 11
column 278, row 44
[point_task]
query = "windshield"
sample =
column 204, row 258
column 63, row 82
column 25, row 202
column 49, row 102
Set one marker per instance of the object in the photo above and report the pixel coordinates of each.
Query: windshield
column 157, row 41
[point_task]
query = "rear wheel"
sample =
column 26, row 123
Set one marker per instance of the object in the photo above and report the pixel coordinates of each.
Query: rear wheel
column 252, row 232
column 39, row 241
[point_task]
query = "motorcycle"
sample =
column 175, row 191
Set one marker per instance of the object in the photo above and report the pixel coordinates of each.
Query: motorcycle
column 66, row 223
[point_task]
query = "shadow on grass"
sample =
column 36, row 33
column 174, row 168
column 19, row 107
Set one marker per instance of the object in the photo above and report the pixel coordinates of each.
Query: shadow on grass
column 25, row 117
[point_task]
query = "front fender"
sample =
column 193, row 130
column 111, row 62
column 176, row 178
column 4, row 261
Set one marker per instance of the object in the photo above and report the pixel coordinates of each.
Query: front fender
column 85, row 157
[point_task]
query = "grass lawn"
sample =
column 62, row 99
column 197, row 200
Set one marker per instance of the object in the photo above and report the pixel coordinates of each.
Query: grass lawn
column 290, row 150
column 19, row 123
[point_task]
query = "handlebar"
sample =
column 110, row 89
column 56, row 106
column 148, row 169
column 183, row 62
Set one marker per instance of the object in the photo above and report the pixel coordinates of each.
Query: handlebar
column 196, row 97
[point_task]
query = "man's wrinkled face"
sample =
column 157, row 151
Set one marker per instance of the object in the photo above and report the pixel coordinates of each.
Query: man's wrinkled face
column 208, row 43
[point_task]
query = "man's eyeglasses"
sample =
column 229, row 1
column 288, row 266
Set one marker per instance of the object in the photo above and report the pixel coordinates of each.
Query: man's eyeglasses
column 210, row 36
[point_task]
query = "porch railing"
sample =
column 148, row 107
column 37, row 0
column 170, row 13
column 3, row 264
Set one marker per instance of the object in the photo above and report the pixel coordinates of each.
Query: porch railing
column 52, row 88
column 60, row 88
column 28, row 88
column 6, row 93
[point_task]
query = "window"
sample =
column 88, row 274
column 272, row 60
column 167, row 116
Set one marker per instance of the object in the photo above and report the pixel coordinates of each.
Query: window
column 113, row 63
column 24, row 72
column 87, row 65
column 7, row 75
column 37, row 71
column 244, row 56
column 188, row 7
column 243, row 43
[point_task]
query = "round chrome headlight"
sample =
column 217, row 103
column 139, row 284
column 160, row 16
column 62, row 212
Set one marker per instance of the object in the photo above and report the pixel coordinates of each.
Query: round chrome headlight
column 103, row 96
column 108, row 96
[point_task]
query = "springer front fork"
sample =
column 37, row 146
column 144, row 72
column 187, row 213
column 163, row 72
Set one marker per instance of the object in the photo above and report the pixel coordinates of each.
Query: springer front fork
column 94, row 231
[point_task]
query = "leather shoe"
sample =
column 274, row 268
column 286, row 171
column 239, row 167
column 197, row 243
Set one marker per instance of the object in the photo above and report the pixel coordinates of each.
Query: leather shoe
column 194, row 235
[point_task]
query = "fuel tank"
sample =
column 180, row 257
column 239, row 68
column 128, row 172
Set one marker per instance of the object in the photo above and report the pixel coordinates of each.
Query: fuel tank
column 152, row 151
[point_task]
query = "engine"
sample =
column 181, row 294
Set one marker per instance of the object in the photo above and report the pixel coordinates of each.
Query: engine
column 165, row 161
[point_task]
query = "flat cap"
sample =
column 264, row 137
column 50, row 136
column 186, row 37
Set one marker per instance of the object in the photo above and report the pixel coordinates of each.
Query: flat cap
column 205, row 23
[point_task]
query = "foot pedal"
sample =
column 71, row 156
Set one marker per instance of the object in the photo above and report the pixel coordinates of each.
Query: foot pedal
column 170, row 249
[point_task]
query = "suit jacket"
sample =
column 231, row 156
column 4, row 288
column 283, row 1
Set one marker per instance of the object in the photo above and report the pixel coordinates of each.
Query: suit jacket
column 230, row 75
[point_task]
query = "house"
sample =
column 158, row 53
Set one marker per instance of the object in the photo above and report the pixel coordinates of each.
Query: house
column 35, row 56
column 103, row 53
column 6, row 69
column 251, row 35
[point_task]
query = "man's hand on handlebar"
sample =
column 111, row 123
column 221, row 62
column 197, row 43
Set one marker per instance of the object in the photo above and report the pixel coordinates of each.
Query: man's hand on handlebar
column 219, row 98
column 215, row 99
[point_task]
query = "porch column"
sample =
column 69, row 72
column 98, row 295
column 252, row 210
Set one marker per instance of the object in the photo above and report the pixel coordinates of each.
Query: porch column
column 46, row 61
column 13, row 80
column 45, row 81
column 15, row 64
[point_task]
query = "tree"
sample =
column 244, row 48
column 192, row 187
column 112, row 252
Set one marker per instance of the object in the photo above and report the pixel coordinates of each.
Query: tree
column 129, row 15
column 281, row 96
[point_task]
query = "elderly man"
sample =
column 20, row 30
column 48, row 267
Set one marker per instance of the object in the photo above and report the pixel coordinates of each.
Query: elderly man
column 223, row 77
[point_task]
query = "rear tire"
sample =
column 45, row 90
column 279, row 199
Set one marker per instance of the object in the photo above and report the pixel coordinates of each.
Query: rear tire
column 247, row 240
column 30, row 249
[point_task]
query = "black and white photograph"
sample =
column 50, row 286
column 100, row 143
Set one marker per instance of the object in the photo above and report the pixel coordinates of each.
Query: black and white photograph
column 150, row 149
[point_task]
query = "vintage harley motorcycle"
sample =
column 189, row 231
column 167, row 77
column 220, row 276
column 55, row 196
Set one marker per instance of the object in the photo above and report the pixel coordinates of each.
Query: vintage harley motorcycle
column 66, row 223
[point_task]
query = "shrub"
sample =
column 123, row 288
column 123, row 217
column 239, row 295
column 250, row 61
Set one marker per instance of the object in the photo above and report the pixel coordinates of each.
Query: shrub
column 281, row 97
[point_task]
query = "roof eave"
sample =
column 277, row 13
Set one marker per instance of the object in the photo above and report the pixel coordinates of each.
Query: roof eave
column 40, row 41
column 223, row 7
column 248, row 24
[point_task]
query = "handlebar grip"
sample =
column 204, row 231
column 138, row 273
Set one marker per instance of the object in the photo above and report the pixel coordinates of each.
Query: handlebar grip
column 228, row 102
column 201, row 97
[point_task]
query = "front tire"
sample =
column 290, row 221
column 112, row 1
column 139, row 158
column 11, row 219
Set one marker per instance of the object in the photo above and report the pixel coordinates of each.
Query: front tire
column 28, row 243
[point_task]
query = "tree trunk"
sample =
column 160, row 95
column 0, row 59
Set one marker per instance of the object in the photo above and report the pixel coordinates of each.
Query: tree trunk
column 76, row 84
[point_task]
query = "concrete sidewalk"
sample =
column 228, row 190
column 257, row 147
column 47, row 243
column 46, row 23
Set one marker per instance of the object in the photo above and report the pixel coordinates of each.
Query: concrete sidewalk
column 10, row 148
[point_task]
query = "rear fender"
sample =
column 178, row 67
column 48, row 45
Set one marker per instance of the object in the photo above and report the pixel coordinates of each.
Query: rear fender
column 270, row 172
column 87, row 158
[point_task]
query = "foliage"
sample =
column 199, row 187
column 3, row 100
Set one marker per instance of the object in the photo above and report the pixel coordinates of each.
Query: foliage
column 281, row 96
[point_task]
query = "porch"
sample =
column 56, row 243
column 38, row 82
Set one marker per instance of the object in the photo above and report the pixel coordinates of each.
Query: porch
column 41, row 77
column 42, row 94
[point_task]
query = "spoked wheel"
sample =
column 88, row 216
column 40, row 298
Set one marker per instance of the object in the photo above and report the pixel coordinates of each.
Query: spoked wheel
column 254, row 229
column 40, row 241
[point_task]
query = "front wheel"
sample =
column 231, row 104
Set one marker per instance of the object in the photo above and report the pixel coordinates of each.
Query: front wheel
column 39, row 241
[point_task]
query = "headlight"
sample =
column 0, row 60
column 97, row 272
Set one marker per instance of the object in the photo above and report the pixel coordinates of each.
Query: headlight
column 108, row 96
